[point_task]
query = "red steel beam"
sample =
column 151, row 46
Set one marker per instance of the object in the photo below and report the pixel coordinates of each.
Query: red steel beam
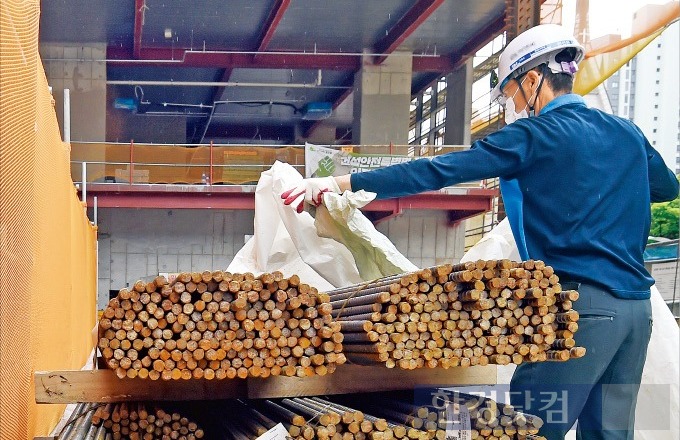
column 440, row 64
column 140, row 7
column 472, row 201
column 173, row 200
column 275, row 16
column 243, row 198
column 406, row 25
column 157, row 57
column 119, row 56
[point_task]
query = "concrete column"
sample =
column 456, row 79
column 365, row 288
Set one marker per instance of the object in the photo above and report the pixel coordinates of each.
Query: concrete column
column 381, row 102
column 459, row 105
column 81, row 69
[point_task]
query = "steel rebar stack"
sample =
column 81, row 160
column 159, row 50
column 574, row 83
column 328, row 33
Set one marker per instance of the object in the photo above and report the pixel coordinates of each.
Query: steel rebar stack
column 218, row 325
column 476, row 313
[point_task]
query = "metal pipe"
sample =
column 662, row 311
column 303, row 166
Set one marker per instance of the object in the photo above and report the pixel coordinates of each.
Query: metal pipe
column 84, row 420
column 83, row 184
column 228, row 52
column 91, row 433
column 68, row 427
column 67, row 115
column 210, row 181
column 101, row 433
column 221, row 84
column 132, row 143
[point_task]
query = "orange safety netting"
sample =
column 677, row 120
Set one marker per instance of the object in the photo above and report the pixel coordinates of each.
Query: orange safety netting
column 47, row 245
column 602, row 63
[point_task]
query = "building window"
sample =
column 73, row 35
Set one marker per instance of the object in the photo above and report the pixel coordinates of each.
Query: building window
column 440, row 117
column 656, row 118
column 657, row 81
column 425, row 126
column 656, row 105
column 656, row 94
column 653, row 142
column 658, row 57
column 654, row 130
column 658, row 69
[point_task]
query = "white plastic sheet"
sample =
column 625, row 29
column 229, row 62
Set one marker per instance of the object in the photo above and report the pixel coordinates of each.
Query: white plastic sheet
column 658, row 402
column 374, row 254
column 289, row 242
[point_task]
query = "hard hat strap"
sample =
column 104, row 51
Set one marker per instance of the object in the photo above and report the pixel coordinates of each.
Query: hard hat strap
column 538, row 90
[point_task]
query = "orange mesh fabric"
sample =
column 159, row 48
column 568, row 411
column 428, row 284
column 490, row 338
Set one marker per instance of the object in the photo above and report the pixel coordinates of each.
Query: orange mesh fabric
column 602, row 63
column 47, row 246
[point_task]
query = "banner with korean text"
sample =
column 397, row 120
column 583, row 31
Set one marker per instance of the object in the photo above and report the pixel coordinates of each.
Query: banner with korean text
column 323, row 161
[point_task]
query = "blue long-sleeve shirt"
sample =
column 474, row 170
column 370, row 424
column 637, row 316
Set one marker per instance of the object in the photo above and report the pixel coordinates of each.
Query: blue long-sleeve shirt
column 577, row 185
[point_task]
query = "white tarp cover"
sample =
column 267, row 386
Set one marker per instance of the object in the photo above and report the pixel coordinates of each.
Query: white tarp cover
column 291, row 243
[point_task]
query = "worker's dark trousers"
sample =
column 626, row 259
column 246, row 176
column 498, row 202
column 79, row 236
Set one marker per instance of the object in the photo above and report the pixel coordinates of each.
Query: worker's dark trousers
column 599, row 389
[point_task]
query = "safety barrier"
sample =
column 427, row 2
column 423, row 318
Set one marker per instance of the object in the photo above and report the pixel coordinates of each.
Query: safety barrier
column 47, row 245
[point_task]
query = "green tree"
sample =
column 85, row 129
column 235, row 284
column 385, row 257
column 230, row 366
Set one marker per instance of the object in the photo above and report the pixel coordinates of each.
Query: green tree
column 665, row 219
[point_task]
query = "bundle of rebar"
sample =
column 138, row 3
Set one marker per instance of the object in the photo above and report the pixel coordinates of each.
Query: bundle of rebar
column 476, row 313
column 144, row 421
column 362, row 417
column 79, row 424
column 217, row 325
column 495, row 420
column 488, row 419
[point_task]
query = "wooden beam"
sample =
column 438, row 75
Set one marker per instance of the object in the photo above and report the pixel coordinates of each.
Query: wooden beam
column 104, row 386
column 356, row 379
column 406, row 25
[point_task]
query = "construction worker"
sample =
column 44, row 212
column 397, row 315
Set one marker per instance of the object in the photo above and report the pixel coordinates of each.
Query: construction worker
column 577, row 185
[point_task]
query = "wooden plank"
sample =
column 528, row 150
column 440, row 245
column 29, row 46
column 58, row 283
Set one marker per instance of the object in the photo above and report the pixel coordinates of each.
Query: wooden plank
column 104, row 386
column 355, row 378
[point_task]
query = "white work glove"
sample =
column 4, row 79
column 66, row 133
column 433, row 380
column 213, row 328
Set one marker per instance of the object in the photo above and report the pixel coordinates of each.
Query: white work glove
column 312, row 190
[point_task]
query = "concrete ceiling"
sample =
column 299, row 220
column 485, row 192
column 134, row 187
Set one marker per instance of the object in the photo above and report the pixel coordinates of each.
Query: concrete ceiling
column 273, row 43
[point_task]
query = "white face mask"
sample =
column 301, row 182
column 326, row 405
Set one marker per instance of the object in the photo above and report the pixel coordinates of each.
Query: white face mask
column 510, row 114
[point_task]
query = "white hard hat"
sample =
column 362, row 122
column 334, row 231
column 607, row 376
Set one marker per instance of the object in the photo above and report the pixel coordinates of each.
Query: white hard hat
column 533, row 47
